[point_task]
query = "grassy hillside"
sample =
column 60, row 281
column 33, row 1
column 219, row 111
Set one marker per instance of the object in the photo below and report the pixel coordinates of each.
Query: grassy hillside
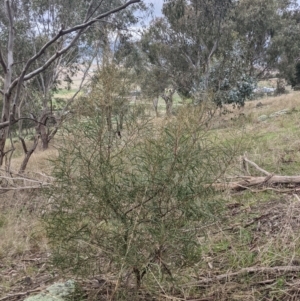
column 251, row 251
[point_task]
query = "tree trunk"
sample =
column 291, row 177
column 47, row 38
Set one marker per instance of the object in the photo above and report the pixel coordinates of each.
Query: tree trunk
column 7, row 68
column 169, row 106
column 28, row 153
column 3, row 135
column 4, row 131
column 44, row 137
column 42, row 129
column 155, row 106
column 168, row 98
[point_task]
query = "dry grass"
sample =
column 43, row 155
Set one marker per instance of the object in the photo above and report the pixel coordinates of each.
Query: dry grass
column 39, row 161
column 259, row 229
column 255, row 233
column 23, row 241
column 20, row 230
column 270, row 105
column 23, row 244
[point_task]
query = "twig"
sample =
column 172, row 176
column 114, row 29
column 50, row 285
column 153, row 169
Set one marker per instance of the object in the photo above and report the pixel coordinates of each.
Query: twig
column 29, row 259
column 267, row 270
column 127, row 251
column 270, row 188
column 256, row 219
column 256, row 166
column 258, row 181
column 268, row 281
column 85, row 73
column 178, row 299
column 21, row 178
column 21, row 294
column 234, row 226
column 25, row 187
column 297, row 197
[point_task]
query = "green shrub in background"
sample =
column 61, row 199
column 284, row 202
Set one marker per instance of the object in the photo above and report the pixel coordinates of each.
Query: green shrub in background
column 131, row 206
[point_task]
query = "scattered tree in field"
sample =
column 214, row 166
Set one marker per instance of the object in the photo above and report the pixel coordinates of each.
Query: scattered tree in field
column 182, row 47
column 221, row 48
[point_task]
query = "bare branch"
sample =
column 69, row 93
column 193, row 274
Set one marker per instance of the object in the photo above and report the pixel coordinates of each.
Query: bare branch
column 70, row 30
column 86, row 24
column 251, row 270
column 52, row 59
column 81, row 83
column 23, row 188
column 4, row 124
column 28, row 154
column 16, row 176
column 14, row 121
column 52, row 134
column 297, row 197
column 80, row 28
column 10, row 16
column 21, row 177
column 256, row 166
column 24, row 145
column 10, row 296
column 88, row 14
column 214, row 48
column 10, row 59
column 23, row 77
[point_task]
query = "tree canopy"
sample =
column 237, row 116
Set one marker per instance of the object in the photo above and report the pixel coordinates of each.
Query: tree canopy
column 218, row 48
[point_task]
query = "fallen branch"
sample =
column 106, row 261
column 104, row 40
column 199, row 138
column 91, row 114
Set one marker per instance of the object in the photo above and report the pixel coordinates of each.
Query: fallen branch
column 24, row 187
column 266, row 270
column 256, row 166
column 20, row 294
column 21, row 178
column 17, row 181
column 247, row 182
column 259, row 181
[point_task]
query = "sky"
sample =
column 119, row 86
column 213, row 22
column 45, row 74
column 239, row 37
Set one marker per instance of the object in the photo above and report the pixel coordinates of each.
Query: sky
column 157, row 5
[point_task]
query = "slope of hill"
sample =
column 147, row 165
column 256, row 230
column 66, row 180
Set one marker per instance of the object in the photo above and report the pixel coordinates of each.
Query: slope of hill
column 250, row 252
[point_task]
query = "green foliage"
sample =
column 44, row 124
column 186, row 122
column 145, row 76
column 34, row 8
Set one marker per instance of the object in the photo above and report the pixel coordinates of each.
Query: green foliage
column 243, row 90
column 181, row 48
column 134, row 202
column 294, row 77
column 284, row 49
column 218, row 47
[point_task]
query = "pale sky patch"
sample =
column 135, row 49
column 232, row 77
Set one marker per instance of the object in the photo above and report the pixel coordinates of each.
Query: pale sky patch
column 157, row 5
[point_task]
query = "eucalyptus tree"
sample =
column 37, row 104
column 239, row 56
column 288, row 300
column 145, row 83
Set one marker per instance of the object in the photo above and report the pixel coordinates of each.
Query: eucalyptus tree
column 194, row 50
column 263, row 29
column 217, row 49
column 183, row 47
column 285, row 49
column 39, row 40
